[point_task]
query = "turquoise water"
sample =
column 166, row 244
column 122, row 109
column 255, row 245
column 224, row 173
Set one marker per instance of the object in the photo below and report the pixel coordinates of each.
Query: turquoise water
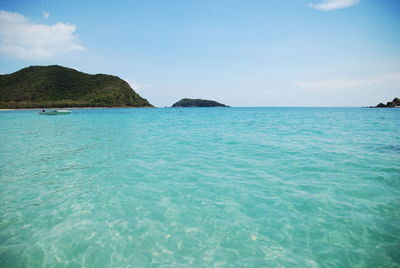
column 201, row 187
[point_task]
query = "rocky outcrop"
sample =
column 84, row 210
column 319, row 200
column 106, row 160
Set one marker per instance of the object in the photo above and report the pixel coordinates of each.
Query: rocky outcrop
column 395, row 103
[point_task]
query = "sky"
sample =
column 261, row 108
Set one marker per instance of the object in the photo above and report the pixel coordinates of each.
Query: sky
column 246, row 53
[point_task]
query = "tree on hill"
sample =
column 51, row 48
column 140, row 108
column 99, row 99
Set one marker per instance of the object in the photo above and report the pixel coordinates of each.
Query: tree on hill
column 57, row 86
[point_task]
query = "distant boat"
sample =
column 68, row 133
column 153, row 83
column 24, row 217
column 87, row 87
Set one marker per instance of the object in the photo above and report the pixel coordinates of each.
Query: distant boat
column 55, row 112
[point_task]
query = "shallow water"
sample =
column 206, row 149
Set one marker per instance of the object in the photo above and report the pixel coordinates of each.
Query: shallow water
column 201, row 187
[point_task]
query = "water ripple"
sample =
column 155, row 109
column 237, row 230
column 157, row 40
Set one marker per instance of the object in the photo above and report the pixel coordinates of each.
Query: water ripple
column 238, row 187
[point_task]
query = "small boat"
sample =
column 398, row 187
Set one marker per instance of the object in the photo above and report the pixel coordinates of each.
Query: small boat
column 55, row 112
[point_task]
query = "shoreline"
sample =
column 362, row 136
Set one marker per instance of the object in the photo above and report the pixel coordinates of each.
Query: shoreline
column 71, row 108
column 77, row 108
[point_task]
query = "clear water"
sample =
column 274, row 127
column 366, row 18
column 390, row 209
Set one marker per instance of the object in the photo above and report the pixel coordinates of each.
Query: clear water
column 201, row 187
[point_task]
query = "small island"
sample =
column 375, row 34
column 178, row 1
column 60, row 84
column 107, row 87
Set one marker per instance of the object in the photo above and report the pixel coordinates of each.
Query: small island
column 198, row 103
column 395, row 103
column 57, row 86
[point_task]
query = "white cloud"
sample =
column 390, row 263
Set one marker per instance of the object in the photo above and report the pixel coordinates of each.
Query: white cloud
column 46, row 15
column 132, row 83
column 20, row 38
column 328, row 5
column 135, row 85
column 391, row 79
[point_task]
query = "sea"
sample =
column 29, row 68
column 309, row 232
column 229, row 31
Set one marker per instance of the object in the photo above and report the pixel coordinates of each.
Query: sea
column 200, row 187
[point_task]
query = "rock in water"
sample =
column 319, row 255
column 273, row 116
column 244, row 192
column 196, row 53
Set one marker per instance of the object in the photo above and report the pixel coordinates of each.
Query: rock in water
column 391, row 104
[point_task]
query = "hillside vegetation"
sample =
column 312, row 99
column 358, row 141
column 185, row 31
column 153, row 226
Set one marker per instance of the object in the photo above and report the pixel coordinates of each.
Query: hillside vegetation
column 57, row 86
column 198, row 103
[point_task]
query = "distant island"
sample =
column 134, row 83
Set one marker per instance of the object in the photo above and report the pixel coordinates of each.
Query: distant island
column 198, row 103
column 395, row 103
column 57, row 86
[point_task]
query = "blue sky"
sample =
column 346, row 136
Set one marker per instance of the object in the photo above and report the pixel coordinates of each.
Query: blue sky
column 241, row 53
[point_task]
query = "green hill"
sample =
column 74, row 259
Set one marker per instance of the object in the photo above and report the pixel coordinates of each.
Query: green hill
column 198, row 103
column 57, row 86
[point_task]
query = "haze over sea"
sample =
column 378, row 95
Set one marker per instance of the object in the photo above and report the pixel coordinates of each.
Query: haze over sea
column 201, row 187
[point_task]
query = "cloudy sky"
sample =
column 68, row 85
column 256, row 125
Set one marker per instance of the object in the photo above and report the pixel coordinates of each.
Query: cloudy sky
column 239, row 52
